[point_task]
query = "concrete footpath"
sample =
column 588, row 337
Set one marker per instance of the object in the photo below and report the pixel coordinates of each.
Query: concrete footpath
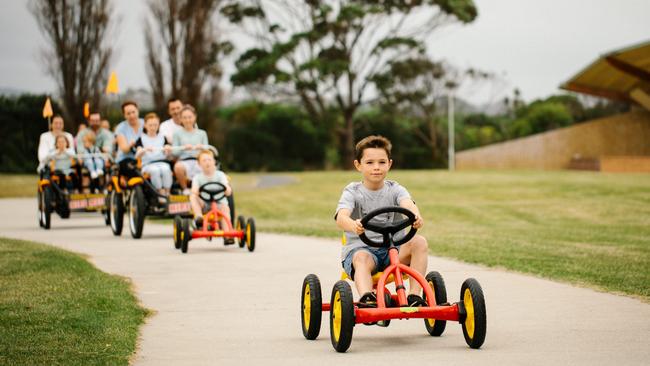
column 221, row 305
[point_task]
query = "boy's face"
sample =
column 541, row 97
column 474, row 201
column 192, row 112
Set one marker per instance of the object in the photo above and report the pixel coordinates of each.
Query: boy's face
column 374, row 165
column 206, row 162
column 88, row 143
column 61, row 143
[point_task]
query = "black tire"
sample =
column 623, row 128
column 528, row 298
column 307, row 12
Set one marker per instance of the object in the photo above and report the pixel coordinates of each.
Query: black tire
column 137, row 210
column 231, row 205
column 311, row 307
column 105, row 211
column 341, row 316
column 250, row 234
column 240, row 224
column 475, row 322
column 178, row 222
column 47, row 206
column 64, row 208
column 116, row 211
column 186, row 235
column 437, row 284
column 39, row 199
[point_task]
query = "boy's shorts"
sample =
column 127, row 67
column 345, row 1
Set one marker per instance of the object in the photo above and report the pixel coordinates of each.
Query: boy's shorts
column 192, row 167
column 379, row 255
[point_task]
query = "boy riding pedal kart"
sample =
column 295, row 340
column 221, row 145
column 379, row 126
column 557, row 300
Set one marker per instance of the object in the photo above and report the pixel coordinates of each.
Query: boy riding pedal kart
column 380, row 221
column 209, row 190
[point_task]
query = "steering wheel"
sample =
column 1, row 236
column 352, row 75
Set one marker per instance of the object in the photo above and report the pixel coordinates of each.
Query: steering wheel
column 212, row 191
column 388, row 229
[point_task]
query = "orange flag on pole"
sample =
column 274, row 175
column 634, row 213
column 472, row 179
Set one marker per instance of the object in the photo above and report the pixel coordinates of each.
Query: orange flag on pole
column 86, row 109
column 47, row 109
column 112, row 87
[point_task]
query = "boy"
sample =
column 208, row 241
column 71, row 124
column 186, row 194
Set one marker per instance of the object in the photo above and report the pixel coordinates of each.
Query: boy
column 359, row 198
column 209, row 173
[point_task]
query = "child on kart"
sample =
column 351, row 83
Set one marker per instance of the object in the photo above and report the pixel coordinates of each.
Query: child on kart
column 153, row 149
column 61, row 162
column 209, row 173
column 190, row 139
column 359, row 260
column 95, row 165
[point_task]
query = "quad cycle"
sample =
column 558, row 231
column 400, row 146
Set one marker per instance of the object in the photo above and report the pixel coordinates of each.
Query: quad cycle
column 243, row 232
column 135, row 196
column 470, row 311
column 54, row 198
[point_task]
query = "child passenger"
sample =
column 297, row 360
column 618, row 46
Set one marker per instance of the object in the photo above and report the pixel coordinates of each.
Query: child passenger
column 359, row 198
column 153, row 149
column 61, row 162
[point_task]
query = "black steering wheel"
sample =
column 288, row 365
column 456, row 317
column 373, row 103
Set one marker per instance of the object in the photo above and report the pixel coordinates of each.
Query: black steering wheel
column 387, row 230
column 212, row 191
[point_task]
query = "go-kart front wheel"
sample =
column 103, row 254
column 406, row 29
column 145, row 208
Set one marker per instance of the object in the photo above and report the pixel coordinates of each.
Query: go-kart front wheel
column 475, row 323
column 341, row 316
column 437, row 284
column 137, row 208
column 46, row 197
column 116, row 211
column 186, row 235
column 311, row 310
column 250, row 234
column 240, row 224
column 178, row 222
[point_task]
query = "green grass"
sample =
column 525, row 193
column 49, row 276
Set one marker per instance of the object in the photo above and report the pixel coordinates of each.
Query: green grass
column 585, row 228
column 57, row 309
column 18, row 185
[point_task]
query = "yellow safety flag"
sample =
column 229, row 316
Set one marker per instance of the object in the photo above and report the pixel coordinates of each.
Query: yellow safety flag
column 112, row 87
column 47, row 109
column 86, row 109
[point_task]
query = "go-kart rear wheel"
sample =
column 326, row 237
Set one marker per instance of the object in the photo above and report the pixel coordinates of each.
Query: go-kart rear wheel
column 105, row 211
column 47, row 197
column 240, row 224
column 341, row 316
column 311, row 311
column 231, row 205
column 178, row 222
column 116, row 211
column 437, row 284
column 475, row 323
column 186, row 235
column 39, row 199
column 250, row 234
column 137, row 208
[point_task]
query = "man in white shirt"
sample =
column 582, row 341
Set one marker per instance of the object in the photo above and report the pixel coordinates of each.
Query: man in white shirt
column 170, row 126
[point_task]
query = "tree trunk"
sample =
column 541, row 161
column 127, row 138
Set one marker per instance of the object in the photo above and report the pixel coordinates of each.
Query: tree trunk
column 348, row 141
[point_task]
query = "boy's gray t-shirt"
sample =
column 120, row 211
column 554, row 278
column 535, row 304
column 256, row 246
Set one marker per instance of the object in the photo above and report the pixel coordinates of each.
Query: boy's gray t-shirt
column 218, row 176
column 360, row 201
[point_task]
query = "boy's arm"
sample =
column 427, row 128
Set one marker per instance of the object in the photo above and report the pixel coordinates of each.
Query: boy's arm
column 345, row 222
column 408, row 204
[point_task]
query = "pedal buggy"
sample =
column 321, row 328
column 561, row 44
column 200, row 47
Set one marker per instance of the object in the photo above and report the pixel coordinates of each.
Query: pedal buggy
column 470, row 311
column 135, row 196
column 243, row 232
column 54, row 197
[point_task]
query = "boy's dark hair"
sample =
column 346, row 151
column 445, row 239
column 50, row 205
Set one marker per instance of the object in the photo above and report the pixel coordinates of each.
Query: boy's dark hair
column 173, row 99
column 372, row 142
column 127, row 103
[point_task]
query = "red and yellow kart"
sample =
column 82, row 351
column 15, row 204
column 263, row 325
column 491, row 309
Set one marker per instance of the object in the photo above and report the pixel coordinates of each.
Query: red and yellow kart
column 345, row 313
column 212, row 192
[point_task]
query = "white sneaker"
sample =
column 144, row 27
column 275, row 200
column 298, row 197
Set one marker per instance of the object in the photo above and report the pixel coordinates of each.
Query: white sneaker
column 93, row 174
column 186, row 192
column 100, row 172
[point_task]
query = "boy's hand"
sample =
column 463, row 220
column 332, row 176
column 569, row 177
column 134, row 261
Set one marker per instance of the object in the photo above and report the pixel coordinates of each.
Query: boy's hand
column 418, row 222
column 358, row 228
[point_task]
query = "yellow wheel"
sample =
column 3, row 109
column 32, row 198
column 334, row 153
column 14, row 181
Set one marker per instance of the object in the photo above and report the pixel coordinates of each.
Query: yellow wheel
column 178, row 223
column 240, row 224
column 250, row 234
column 341, row 316
column 311, row 309
column 437, row 284
column 475, row 322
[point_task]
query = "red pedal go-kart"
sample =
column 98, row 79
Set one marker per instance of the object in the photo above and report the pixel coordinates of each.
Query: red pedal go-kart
column 345, row 313
column 212, row 192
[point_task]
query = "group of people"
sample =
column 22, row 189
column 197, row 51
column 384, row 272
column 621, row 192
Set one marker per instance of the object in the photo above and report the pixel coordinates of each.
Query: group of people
column 176, row 142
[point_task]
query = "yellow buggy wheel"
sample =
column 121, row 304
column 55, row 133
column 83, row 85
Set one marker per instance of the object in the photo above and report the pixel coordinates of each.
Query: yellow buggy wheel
column 341, row 316
column 311, row 310
column 475, row 322
column 437, row 284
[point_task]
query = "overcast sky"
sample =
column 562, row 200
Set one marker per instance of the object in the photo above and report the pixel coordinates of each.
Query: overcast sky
column 534, row 44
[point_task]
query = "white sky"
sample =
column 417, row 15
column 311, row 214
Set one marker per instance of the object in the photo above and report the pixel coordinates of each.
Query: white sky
column 534, row 44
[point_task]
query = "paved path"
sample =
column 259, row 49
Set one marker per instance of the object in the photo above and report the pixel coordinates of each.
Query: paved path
column 221, row 305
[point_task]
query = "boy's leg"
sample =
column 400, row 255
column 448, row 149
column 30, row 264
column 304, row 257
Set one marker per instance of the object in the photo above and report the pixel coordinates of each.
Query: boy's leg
column 415, row 254
column 181, row 174
column 196, row 204
column 363, row 264
column 225, row 209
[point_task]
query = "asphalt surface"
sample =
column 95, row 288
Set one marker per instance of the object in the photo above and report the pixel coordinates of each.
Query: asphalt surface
column 221, row 305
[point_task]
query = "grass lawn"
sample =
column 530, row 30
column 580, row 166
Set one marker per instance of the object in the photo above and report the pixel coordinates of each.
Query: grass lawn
column 18, row 185
column 57, row 309
column 585, row 228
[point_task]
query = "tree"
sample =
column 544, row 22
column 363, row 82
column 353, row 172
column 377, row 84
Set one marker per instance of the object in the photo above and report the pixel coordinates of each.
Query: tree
column 79, row 49
column 183, row 50
column 327, row 52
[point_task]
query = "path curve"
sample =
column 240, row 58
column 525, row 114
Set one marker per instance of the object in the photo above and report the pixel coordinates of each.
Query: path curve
column 221, row 305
